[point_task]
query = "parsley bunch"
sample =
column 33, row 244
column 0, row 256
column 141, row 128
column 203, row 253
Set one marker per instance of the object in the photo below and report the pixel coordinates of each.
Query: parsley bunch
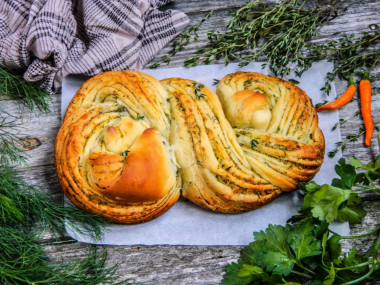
column 306, row 249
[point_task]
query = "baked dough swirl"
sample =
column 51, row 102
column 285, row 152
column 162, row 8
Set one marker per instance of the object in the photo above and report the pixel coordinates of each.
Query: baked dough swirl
column 280, row 137
column 239, row 152
column 112, row 151
column 129, row 143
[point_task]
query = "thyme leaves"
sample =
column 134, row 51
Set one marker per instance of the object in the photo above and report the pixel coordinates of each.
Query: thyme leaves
column 198, row 90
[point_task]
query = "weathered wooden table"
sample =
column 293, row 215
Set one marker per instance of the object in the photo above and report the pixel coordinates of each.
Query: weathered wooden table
column 195, row 264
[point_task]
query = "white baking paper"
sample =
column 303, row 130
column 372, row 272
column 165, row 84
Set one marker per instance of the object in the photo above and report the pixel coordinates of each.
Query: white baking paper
column 188, row 224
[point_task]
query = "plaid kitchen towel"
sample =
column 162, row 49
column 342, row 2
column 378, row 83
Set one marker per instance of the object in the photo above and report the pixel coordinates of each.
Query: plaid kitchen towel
column 54, row 38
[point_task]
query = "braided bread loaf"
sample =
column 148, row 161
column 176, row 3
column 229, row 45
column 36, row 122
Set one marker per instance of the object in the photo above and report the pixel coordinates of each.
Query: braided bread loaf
column 124, row 135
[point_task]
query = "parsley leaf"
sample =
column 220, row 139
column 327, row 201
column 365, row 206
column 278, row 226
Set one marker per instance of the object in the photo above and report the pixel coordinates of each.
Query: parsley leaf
column 276, row 255
column 241, row 273
column 372, row 171
column 346, row 172
column 329, row 280
column 303, row 241
column 335, row 201
column 328, row 203
column 234, row 275
column 334, row 248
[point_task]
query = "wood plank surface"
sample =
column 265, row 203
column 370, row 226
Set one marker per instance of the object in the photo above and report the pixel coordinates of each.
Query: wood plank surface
column 193, row 264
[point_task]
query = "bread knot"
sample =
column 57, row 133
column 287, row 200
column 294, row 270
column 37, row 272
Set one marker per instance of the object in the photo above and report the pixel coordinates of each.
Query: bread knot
column 129, row 145
column 112, row 152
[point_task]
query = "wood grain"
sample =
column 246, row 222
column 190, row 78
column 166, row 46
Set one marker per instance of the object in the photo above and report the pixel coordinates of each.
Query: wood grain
column 165, row 264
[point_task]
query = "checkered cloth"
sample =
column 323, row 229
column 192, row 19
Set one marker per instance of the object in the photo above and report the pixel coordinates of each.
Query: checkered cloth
column 54, row 38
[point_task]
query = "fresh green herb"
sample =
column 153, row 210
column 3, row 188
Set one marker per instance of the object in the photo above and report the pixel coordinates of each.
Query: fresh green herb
column 278, row 33
column 293, row 81
column 125, row 153
column 343, row 121
column 182, row 40
column 281, row 34
column 324, row 102
column 254, row 143
column 375, row 90
column 215, row 82
column 276, row 253
column 349, row 138
column 24, row 205
column 11, row 151
column 26, row 263
column 306, row 250
column 349, row 54
column 198, row 90
column 30, row 95
column 140, row 117
column 335, row 201
column 26, row 211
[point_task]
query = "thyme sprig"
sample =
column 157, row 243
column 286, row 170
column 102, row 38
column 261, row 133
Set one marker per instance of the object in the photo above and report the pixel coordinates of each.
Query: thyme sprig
column 198, row 90
column 277, row 33
column 349, row 54
column 343, row 121
column 350, row 138
column 282, row 35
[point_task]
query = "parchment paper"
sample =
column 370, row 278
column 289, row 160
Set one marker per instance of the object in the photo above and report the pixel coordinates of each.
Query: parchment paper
column 188, row 224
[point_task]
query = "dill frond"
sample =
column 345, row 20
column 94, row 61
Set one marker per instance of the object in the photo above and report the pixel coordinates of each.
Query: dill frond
column 28, row 94
column 25, row 210
column 25, row 262
column 23, row 258
column 24, row 204
column 11, row 151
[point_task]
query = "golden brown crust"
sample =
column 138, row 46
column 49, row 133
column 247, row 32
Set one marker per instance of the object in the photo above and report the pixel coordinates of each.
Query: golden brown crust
column 247, row 108
column 100, row 142
column 290, row 150
column 146, row 175
column 237, row 150
column 216, row 174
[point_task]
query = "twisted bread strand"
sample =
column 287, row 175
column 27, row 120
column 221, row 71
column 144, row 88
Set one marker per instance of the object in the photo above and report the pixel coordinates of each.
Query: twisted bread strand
column 114, row 152
column 290, row 148
column 216, row 174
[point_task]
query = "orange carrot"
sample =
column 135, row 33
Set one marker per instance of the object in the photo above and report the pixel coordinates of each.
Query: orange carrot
column 365, row 100
column 342, row 100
